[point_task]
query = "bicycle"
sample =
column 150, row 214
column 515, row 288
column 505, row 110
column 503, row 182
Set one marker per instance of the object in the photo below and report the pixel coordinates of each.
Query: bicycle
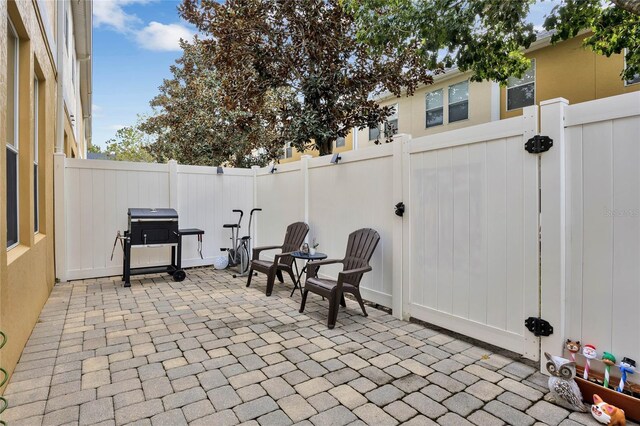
column 239, row 252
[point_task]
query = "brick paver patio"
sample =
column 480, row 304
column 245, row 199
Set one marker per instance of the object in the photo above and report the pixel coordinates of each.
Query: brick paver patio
column 210, row 351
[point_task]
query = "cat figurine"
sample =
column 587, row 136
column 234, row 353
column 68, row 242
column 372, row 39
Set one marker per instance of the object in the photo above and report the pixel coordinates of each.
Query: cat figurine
column 607, row 413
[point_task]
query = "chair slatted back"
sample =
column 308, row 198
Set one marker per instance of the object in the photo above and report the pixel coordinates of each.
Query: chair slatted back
column 360, row 247
column 293, row 239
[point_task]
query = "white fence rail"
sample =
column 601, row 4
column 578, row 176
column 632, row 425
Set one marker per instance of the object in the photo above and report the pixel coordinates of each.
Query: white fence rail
column 466, row 256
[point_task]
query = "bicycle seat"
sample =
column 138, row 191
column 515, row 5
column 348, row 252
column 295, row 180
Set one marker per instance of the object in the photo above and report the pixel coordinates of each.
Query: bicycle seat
column 230, row 225
column 246, row 237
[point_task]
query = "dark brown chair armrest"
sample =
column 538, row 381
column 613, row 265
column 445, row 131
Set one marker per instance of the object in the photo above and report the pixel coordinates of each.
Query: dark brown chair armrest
column 277, row 257
column 256, row 251
column 362, row 270
column 314, row 265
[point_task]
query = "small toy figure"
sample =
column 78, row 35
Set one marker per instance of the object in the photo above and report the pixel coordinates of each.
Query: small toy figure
column 573, row 347
column 627, row 366
column 608, row 359
column 589, row 352
column 563, row 387
column 606, row 413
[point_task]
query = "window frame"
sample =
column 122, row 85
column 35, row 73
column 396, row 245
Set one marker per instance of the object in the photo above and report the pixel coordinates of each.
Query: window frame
column 343, row 144
column 36, row 154
column 427, row 109
column 636, row 79
column 390, row 120
column 288, row 151
column 450, row 104
column 15, row 146
column 535, row 89
column 378, row 134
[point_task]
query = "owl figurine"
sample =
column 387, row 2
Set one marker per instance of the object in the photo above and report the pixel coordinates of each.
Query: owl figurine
column 564, row 389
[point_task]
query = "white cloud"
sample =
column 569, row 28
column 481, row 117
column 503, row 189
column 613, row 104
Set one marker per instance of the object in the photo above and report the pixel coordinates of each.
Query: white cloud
column 111, row 13
column 163, row 37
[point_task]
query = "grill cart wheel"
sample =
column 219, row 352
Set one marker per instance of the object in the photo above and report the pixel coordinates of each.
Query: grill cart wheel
column 179, row 275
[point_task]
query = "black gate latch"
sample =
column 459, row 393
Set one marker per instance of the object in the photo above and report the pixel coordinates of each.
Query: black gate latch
column 400, row 209
column 538, row 144
column 538, row 326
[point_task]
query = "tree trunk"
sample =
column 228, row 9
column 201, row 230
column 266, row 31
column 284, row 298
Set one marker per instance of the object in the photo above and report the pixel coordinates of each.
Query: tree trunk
column 632, row 6
column 325, row 146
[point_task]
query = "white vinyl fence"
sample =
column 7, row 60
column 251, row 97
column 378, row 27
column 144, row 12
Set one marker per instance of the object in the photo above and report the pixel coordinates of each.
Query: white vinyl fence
column 98, row 194
column 471, row 231
column 601, row 193
column 491, row 235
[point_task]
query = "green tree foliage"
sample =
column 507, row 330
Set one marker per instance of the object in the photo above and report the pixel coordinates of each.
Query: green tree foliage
column 129, row 144
column 304, row 54
column 94, row 149
column 193, row 125
column 615, row 26
column 487, row 36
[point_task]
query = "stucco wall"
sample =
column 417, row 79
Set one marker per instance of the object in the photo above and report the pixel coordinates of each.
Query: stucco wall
column 27, row 271
column 572, row 72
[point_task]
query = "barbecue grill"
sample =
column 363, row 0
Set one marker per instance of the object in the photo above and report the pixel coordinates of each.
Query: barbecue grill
column 155, row 228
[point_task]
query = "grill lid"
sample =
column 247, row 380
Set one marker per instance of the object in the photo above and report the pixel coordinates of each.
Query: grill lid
column 139, row 213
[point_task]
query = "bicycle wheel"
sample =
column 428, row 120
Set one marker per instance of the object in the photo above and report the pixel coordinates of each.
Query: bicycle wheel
column 244, row 259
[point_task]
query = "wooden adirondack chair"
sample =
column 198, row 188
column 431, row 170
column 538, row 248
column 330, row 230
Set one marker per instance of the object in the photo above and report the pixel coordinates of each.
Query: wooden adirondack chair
column 360, row 247
column 293, row 239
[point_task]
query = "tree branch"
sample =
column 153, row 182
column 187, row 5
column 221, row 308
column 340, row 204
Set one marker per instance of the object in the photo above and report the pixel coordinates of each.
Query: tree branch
column 632, row 6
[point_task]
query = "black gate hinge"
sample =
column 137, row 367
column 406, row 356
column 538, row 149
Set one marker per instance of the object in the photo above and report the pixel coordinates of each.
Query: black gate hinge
column 538, row 144
column 538, row 326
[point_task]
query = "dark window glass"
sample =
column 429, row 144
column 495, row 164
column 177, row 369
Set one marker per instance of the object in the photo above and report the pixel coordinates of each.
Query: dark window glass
column 374, row 133
column 340, row 142
column 36, row 222
column 12, row 197
column 391, row 128
column 521, row 96
column 289, row 153
column 459, row 111
column 636, row 79
column 434, row 117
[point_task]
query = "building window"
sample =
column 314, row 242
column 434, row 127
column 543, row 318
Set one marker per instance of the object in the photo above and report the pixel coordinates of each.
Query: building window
column 374, row 133
column 36, row 118
column 288, row 151
column 459, row 101
column 634, row 80
column 391, row 125
column 434, row 101
column 340, row 142
column 12, row 135
column 521, row 92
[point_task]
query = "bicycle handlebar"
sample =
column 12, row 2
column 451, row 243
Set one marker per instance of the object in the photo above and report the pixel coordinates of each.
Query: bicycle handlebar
column 241, row 214
column 256, row 210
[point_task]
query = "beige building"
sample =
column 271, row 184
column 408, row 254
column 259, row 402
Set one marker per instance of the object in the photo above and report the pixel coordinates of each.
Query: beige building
column 45, row 99
column 565, row 69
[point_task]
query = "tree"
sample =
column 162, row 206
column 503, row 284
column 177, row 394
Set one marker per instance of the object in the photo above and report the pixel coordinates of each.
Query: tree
column 486, row 37
column 94, row 149
column 129, row 144
column 615, row 28
column 193, row 126
column 307, row 51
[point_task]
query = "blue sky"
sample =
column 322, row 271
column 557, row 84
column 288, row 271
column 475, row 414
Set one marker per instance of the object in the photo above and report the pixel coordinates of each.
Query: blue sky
column 134, row 43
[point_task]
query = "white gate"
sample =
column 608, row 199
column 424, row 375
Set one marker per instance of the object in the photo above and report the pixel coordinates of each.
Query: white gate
column 471, row 231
